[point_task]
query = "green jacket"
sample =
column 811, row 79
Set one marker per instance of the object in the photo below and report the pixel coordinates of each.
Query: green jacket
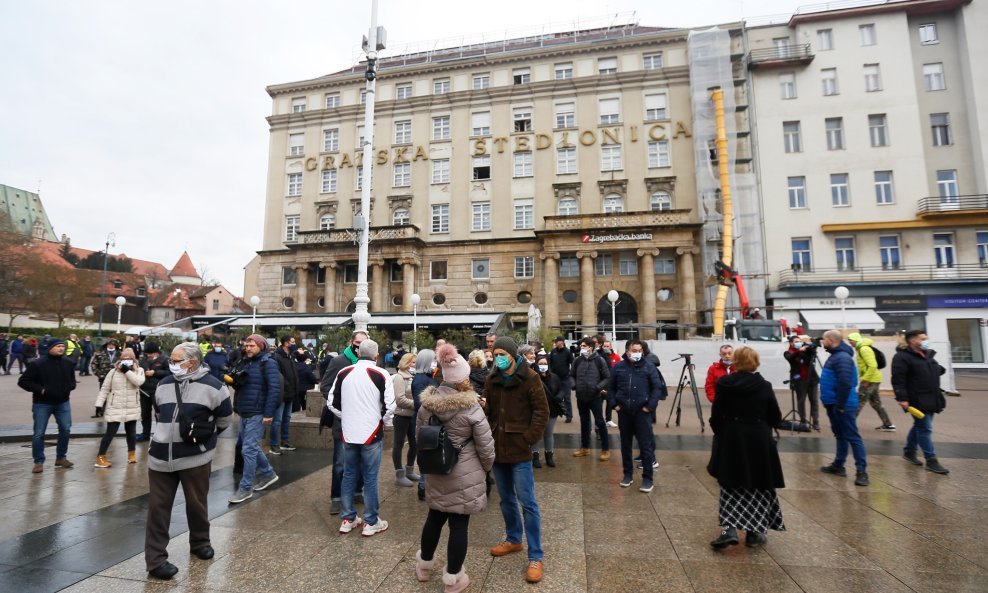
column 867, row 365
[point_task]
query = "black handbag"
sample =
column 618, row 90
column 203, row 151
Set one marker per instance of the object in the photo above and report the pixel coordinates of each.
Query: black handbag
column 195, row 429
column 437, row 453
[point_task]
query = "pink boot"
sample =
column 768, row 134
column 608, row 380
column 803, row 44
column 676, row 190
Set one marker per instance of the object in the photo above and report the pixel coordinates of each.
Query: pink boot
column 455, row 582
column 422, row 568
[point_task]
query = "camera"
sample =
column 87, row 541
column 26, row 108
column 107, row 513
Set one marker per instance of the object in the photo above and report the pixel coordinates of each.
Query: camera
column 236, row 378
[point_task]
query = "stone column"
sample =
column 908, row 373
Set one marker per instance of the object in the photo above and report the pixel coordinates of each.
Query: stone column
column 301, row 287
column 329, row 289
column 551, row 300
column 646, row 274
column 687, row 286
column 408, row 284
column 588, row 301
column 377, row 281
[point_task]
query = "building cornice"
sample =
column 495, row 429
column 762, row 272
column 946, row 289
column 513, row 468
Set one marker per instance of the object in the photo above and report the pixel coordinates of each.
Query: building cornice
column 910, row 7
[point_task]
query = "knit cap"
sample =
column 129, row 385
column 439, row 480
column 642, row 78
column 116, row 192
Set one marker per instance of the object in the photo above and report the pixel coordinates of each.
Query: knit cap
column 507, row 344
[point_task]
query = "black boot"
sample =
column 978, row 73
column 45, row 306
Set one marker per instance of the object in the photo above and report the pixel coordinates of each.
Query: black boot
column 421, row 491
column 535, row 460
column 549, row 460
column 752, row 539
column 728, row 537
column 910, row 456
column 932, row 465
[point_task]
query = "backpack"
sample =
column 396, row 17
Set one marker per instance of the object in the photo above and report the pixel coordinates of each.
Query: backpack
column 880, row 361
column 437, row 453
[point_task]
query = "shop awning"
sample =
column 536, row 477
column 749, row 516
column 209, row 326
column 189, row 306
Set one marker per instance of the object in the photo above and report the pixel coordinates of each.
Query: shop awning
column 291, row 321
column 824, row 319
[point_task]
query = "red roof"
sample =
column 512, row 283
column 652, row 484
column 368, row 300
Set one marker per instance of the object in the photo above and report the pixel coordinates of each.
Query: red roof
column 184, row 267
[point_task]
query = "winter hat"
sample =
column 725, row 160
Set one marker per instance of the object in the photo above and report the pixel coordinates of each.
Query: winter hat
column 55, row 342
column 151, row 348
column 507, row 344
column 258, row 339
column 455, row 369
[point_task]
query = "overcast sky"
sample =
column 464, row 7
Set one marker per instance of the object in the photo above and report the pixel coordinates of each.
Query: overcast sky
column 147, row 119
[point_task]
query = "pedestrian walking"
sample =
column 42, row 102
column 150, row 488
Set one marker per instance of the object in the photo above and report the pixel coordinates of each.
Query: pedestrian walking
column 839, row 395
column 50, row 381
column 916, row 382
column 869, row 379
column 590, row 373
column 119, row 402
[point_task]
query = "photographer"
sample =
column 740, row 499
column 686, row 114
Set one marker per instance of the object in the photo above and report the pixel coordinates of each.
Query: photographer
column 803, row 378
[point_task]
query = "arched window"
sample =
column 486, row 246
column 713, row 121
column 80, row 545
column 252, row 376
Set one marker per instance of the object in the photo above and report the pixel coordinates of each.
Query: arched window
column 613, row 203
column 400, row 217
column 567, row 207
column 660, row 201
column 327, row 222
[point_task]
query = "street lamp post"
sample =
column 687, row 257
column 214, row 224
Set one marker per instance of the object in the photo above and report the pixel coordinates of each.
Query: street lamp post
column 110, row 240
column 613, row 296
column 416, row 299
column 841, row 292
column 254, row 302
column 664, row 294
column 120, row 301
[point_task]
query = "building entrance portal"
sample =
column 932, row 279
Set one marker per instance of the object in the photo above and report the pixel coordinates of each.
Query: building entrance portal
column 625, row 313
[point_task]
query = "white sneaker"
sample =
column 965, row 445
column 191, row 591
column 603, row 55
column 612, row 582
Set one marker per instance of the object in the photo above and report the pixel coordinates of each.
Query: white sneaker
column 378, row 527
column 347, row 526
column 611, row 424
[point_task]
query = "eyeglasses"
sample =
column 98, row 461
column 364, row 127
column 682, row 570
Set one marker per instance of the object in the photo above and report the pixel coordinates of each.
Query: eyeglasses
column 180, row 361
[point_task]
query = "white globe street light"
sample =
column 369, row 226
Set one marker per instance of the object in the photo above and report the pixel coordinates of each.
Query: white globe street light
column 120, row 301
column 416, row 299
column 254, row 302
column 613, row 296
column 841, row 293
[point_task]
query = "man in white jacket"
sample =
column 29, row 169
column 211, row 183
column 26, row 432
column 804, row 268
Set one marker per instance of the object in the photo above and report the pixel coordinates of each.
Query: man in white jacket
column 363, row 398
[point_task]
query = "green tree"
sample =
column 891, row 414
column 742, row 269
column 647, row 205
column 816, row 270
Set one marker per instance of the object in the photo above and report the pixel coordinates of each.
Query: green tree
column 420, row 339
column 67, row 255
column 94, row 261
column 463, row 338
column 337, row 336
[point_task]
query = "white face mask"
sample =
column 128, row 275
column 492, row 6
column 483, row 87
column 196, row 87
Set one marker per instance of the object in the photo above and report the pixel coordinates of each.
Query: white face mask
column 797, row 345
column 176, row 369
column 635, row 356
column 126, row 363
column 543, row 368
column 584, row 352
column 411, row 370
column 433, row 366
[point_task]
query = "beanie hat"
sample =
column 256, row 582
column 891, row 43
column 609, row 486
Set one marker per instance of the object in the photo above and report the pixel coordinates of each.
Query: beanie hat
column 55, row 342
column 455, row 369
column 151, row 348
column 258, row 339
column 507, row 344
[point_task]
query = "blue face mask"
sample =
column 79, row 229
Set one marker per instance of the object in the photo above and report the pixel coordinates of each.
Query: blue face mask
column 502, row 362
column 924, row 345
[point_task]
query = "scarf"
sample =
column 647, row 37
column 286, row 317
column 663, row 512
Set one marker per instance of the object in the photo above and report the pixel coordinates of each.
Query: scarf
column 513, row 379
column 350, row 354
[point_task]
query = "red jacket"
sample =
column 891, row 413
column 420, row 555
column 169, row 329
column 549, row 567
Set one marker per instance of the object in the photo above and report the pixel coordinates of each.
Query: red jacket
column 716, row 371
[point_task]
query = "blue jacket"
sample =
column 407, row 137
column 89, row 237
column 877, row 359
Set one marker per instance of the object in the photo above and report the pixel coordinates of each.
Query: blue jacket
column 839, row 379
column 259, row 395
column 635, row 384
column 216, row 361
column 17, row 346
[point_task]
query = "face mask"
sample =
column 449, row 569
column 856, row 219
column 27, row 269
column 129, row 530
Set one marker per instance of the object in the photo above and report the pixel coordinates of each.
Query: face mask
column 411, row 370
column 635, row 356
column 176, row 369
column 584, row 352
column 218, row 349
column 502, row 361
column 543, row 368
column 433, row 366
column 126, row 363
column 797, row 345
column 727, row 363
column 924, row 345
column 530, row 360
column 607, row 350
column 111, row 350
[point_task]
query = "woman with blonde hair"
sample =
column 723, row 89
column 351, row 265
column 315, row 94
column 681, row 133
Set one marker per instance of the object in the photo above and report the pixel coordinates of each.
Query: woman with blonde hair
column 119, row 401
column 478, row 370
column 404, row 422
column 744, row 459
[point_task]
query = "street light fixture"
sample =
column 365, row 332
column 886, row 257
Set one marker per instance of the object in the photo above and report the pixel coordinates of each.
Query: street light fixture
column 613, row 297
column 416, row 299
column 254, row 302
column 841, row 292
column 110, row 241
column 120, row 301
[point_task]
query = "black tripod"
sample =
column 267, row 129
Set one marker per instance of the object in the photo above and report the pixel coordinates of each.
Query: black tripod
column 791, row 416
column 686, row 378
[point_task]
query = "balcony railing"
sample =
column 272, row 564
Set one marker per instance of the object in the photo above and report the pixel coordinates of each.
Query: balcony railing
column 872, row 274
column 782, row 55
column 934, row 205
column 617, row 220
column 387, row 233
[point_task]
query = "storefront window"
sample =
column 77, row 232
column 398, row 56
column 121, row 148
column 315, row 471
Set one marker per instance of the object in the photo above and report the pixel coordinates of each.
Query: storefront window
column 965, row 340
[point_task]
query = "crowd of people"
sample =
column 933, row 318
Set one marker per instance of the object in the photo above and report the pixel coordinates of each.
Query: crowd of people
column 495, row 407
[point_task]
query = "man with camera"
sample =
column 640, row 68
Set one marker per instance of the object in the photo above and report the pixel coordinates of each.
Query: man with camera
column 803, row 378
column 839, row 394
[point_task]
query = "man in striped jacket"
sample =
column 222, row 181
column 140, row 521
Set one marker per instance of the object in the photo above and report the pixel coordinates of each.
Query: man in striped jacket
column 172, row 461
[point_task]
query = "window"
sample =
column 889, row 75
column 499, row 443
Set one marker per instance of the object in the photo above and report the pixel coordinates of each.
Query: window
column 628, row 263
column 791, row 136
column 928, row 34
column 883, row 188
column 933, row 77
column 660, row 201
column 878, row 129
column 480, row 123
column 835, row 133
column 141, row 291
column 940, row 126
column 331, row 140
column 328, row 181
column 825, row 39
column 360, row 177
column 872, row 78
column 440, row 128
column 525, row 266
column 400, row 217
column 298, row 105
column 291, row 228
column 947, row 185
column 440, row 86
column 829, row 78
column 523, row 164
column 524, row 214
column 652, row 61
column 564, row 71
column 117, row 284
column 522, row 116
column 403, row 132
column 981, row 239
column 440, row 171
column 610, row 158
column 656, row 107
column 565, row 115
column 350, row 273
column 294, row 184
column 603, row 265
column 403, row 91
column 610, row 111
column 797, row 192
column 567, row 207
column 658, row 153
column 781, row 47
column 607, row 66
column 566, row 160
column 397, row 274
column 844, row 250
column 966, row 343
column 437, row 269
column 521, row 76
column 867, row 34
column 943, row 249
column 664, row 265
column 402, row 174
column 360, row 136
column 332, row 100
column 787, row 85
column 888, row 247
column 481, row 219
column 839, row 192
column 327, row 222
column 801, row 255
column 481, row 167
column 481, row 81
column 363, row 96
column 569, row 266
column 288, row 275
column 440, row 218
column 296, row 144
column 480, row 269
column 613, row 204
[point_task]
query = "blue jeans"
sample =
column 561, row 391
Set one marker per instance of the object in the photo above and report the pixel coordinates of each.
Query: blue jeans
column 336, row 487
column 845, row 428
column 251, row 431
column 279, row 425
column 20, row 361
column 516, row 483
column 63, row 417
column 360, row 461
column 921, row 435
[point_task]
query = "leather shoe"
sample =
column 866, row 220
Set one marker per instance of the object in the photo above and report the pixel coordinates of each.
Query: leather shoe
column 833, row 469
column 164, row 572
column 534, row 572
column 504, row 548
column 204, row 553
column 752, row 539
column 728, row 537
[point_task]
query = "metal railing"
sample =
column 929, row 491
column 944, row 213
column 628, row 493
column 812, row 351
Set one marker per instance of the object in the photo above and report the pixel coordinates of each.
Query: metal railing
column 785, row 53
column 404, row 231
column 891, row 273
column 934, row 204
column 614, row 220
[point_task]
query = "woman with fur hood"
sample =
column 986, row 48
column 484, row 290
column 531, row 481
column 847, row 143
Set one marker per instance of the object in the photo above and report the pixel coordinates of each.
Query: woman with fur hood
column 463, row 492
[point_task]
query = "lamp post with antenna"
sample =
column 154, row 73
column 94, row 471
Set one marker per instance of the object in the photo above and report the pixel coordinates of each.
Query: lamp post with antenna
column 110, row 241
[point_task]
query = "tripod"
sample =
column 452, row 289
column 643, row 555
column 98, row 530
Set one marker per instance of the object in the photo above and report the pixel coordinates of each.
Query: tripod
column 686, row 378
column 791, row 416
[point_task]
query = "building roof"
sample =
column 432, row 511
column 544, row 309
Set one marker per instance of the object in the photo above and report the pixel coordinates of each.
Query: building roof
column 24, row 209
column 175, row 296
column 184, row 267
column 148, row 268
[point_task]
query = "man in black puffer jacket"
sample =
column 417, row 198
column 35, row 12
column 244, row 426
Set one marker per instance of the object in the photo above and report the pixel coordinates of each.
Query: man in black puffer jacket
column 50, row 379
column 591, row 373
column 916, row 383
column 289, row 382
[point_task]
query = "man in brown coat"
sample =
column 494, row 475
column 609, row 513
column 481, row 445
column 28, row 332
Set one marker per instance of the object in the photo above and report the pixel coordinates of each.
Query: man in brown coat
column 517, row 412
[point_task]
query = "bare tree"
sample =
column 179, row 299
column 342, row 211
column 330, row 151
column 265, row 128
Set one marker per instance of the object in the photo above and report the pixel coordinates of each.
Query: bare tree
column 58, row 292
column 15, row 259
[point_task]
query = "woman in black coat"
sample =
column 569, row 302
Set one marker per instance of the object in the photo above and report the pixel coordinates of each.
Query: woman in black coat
column 744, row 459
column 557, row 407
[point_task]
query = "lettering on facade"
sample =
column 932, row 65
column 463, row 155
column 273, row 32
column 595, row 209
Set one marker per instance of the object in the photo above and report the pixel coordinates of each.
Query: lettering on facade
column 620, row 237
